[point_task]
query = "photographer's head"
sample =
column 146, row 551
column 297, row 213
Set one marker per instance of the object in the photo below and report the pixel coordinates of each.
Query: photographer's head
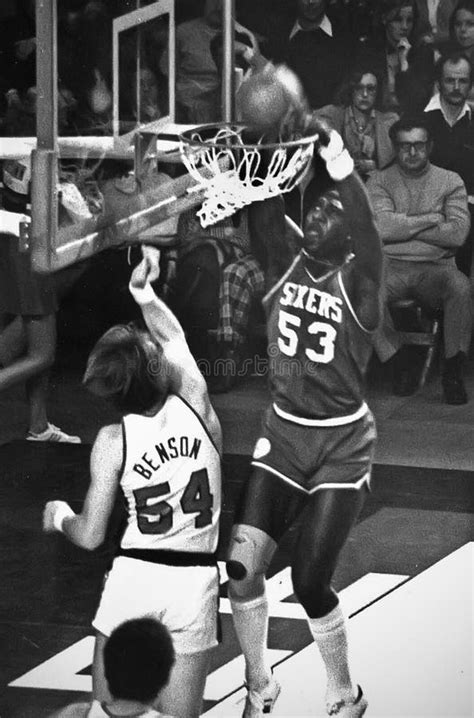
column 138, row 658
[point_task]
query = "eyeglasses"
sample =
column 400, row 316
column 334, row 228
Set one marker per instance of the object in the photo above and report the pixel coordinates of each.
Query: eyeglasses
column 407, row 146
column 369, row 89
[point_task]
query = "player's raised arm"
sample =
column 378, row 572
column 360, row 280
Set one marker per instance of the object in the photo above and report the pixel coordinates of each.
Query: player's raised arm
column 360, row 224
column 185, row 377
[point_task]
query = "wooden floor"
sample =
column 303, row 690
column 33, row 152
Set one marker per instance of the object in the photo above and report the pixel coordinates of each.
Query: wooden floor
column 405, row 574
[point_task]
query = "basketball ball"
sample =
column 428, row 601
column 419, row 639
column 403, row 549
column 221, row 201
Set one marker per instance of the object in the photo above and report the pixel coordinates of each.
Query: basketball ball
column 265, row 99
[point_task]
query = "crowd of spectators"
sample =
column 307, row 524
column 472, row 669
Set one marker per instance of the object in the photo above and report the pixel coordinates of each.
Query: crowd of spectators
column 383, row 60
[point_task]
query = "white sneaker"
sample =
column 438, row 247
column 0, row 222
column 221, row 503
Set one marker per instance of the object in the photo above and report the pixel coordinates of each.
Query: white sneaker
column 349, row 709
column 53, row 433
column 259, row 704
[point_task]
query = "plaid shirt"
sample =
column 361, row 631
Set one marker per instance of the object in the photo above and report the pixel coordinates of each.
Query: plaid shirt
column 242, row 282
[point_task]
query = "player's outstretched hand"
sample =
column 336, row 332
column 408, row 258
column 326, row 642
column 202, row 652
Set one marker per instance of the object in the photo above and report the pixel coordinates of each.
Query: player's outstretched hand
column 148, row 270
column 339, row 163
column 53, row 515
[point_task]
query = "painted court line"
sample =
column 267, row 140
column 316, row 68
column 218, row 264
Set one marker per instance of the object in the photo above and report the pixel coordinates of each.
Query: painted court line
column 412, row 651
column 61, row 671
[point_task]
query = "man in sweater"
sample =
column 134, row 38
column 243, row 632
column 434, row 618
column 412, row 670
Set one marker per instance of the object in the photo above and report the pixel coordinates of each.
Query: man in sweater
column 451, row 126
column 422, row 217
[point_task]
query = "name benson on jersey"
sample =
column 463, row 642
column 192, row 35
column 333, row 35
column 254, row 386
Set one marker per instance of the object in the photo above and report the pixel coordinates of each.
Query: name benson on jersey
column 312, row 300
column 174, row 448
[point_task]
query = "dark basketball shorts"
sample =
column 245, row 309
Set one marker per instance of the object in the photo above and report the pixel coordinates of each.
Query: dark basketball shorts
column 315, row 457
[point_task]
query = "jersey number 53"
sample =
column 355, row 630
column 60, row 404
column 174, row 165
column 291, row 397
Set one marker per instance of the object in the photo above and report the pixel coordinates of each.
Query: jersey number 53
column 324, row 335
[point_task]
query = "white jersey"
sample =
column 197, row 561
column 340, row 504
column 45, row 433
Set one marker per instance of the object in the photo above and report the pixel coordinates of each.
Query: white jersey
column 171, row 481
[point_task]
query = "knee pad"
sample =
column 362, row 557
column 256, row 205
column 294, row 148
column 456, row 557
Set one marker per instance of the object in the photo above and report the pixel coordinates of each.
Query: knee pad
column 250, row 552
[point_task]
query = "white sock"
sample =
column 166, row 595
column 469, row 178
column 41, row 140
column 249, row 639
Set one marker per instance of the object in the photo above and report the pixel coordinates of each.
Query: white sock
column 96, row 711
column 251, row 625
column 329, row 633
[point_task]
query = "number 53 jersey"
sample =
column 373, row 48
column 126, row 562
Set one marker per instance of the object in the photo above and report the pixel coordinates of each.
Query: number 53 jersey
column 317, row 349
column 171, row 481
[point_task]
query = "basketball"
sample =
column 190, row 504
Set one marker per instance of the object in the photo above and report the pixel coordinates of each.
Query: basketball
column 265, row 99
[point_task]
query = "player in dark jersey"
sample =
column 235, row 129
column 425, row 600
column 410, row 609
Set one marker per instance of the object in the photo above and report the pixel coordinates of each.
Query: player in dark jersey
column 311, row 464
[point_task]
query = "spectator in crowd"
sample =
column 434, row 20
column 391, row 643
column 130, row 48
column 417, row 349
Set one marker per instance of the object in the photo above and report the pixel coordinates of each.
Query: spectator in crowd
column 452, row 129
column 316, row 41
column 404, row 60
column 140, row 107
column 197, row 81
column 85, row 31
column 28, row 300
column 422, row 217
column 434, row 18
column 202, row 254
column 362, row 126
column 197, row 78
column 461, row 31
column 18, row 47
column 138, row 658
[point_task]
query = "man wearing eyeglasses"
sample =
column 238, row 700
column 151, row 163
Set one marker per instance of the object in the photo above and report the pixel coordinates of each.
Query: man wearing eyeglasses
column 422, row 216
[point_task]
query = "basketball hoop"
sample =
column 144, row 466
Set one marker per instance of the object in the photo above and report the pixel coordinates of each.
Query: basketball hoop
column 234, row 173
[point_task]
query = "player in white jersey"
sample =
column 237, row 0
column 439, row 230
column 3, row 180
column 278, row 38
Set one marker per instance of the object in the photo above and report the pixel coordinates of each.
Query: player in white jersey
column 165, row 455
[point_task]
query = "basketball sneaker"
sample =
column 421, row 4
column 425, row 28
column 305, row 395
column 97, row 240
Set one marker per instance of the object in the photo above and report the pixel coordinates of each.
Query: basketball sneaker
column 53, row 434
column 349, row 709
column 261, row 703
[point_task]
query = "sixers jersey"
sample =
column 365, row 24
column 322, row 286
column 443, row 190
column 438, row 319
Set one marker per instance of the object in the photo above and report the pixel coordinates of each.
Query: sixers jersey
column 318, row 350
column 171, row 481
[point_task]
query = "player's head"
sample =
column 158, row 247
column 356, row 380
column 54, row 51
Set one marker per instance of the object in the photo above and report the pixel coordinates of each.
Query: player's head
column 127, row 367
column 138, row 658
column 325, row 233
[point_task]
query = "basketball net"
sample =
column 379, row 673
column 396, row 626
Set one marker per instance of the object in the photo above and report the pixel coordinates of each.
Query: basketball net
column 234, row 173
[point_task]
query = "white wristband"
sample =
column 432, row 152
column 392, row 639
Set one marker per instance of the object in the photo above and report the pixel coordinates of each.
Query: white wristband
column 62, row 512
column 341, row 166
column 142, row 295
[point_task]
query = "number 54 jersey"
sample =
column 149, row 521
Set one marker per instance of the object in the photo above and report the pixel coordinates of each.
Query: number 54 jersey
column 171, row 481
column 318, row 351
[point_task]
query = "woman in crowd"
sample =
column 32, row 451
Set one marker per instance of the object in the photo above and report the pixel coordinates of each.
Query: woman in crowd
column 405, row 60
column 363, row 127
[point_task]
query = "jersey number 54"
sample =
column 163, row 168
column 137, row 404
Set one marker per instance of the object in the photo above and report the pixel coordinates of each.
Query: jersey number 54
column 157, row 518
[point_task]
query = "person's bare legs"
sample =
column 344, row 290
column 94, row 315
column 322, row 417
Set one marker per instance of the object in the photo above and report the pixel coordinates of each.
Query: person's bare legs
column 184, row 693
column 32, row 367
column 40, row 352
column 100, row 691
column 12, row 341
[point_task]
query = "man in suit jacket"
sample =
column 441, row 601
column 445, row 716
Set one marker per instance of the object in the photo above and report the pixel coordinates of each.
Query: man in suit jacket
column 318, row 49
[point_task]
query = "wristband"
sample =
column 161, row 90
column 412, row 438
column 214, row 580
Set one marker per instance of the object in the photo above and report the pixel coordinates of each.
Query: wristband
column 340, row 167
column 62, row 512
column 142, row 295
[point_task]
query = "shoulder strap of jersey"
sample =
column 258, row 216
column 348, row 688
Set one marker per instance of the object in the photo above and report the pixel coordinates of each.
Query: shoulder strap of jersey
column 266, row 299
column 349, row 303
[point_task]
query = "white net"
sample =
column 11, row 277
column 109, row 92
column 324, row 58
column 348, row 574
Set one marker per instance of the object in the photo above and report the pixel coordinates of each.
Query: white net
column 235, row 174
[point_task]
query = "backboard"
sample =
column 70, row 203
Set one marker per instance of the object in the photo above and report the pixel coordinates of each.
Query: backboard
column 125, row 143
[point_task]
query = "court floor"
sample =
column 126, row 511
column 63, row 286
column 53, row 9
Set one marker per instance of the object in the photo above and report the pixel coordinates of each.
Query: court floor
column 405, row 575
